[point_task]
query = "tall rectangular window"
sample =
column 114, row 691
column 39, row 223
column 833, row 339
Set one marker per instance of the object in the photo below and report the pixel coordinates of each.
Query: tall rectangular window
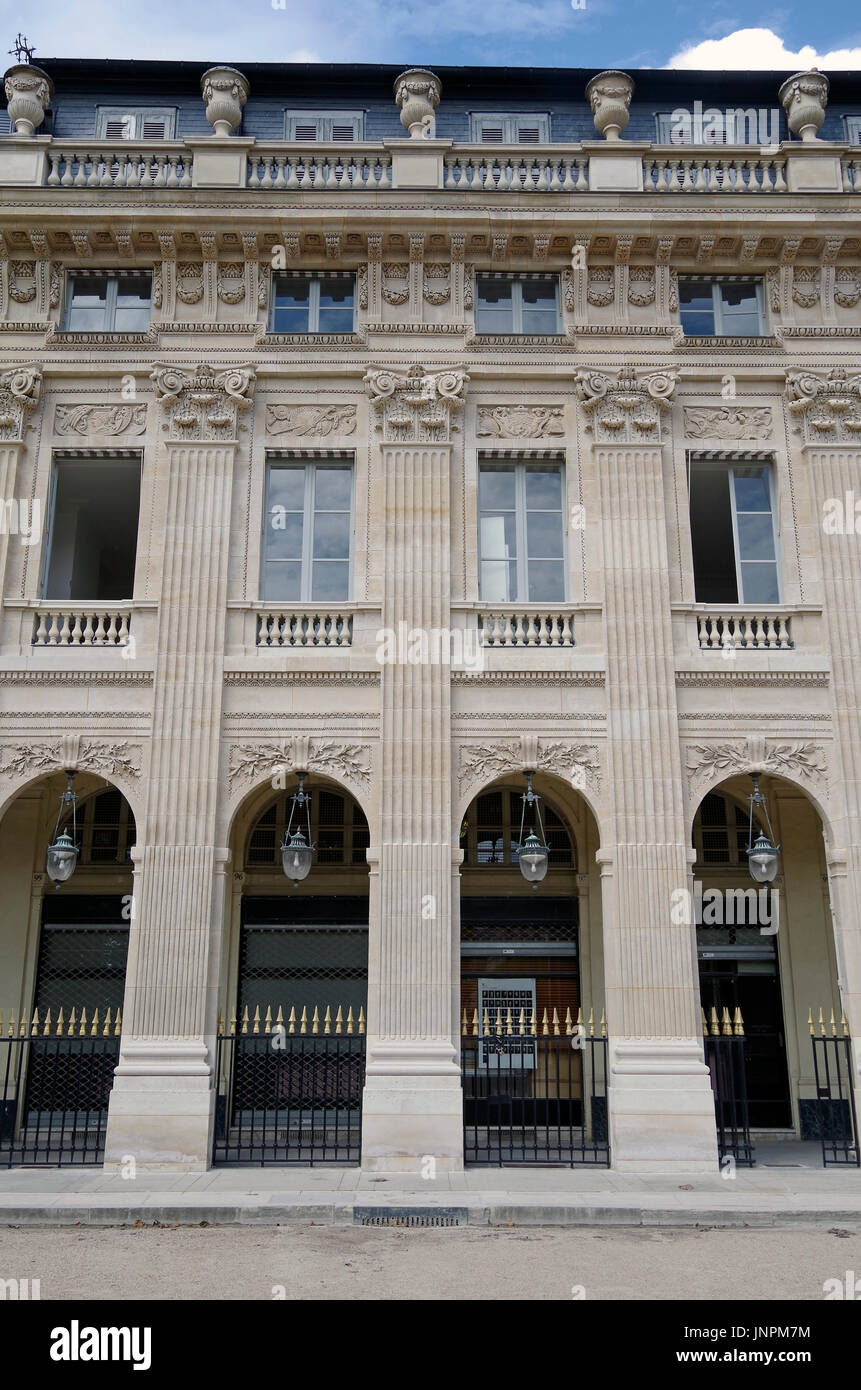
column 108, row 301
column 307, row 532
column 92, row 540
column 733, row 533
column 517, row 304
column 306, row 303
column 721, row 308
column 521, row 535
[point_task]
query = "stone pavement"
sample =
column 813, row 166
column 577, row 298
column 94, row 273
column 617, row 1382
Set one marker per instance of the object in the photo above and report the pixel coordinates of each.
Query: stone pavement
column 788, row 1186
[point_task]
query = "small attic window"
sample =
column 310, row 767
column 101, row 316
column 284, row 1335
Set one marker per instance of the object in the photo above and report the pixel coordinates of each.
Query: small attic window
column 323, row 127
column 135, row 123
column 527, row 128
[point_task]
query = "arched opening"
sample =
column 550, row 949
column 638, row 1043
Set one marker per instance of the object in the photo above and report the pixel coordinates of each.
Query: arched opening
column 63, row 952
column 531, row 974
column 295, row 987
column 766, row 957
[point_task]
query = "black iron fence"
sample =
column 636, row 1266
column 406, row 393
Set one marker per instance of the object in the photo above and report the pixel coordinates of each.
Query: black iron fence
column 723, row 1045
column 534, row 1092
column 55, row 1083
column 836, row 1120
column 290, row 1090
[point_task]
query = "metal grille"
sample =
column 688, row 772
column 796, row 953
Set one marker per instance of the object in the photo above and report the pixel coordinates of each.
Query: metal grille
column 285, row 1098
column 534, row 1092
column 835, row 1098
column 54, row 1093
column 723, row 1047
column 410, row 1216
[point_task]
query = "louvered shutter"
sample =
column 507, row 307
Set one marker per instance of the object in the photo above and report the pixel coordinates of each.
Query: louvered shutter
column 529, row 135
column 492, row 134
column 120, row 128
column 154, row 128
column 307, row 132
column 5, row 123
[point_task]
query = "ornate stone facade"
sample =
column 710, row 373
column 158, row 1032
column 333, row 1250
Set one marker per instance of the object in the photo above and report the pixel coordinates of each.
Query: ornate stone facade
column 437, row 674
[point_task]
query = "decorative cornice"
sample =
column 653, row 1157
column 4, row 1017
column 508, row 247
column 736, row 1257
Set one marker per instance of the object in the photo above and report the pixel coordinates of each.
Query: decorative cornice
column 60, row 677
column 293, row 677
column 703, row 679
column 548, row 679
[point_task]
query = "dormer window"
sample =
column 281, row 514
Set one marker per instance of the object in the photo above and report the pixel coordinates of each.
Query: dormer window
column 526, row 128
column 135, row 123
column 323, row 127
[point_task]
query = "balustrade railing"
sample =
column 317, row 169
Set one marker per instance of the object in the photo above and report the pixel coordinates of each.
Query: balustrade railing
column 741, row 171
column 745, row 631
column 93, row 165
column 523, row 629
column 516, row 170
column 54, row 626
column 360, row 167
column 304, row 628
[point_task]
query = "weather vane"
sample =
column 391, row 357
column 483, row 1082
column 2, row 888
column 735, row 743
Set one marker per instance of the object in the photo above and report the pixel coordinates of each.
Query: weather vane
column 22, row 49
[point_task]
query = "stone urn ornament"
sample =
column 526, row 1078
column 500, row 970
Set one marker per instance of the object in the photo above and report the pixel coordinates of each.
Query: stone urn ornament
column 804, row 97
column 28, row 93
column 225, row 91
column 609, row 94
column 417, row 93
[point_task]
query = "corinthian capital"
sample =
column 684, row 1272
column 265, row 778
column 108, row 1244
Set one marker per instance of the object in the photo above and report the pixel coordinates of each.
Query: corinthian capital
column 623, row 408
column 826, row 407
column 20, row 388
column 203, row 404
column 416, row 406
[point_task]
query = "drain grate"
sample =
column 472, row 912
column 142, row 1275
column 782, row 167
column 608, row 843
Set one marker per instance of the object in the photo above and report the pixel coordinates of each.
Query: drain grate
column 409, row 1216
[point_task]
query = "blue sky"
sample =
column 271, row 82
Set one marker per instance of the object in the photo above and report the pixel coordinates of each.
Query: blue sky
column 603, row 33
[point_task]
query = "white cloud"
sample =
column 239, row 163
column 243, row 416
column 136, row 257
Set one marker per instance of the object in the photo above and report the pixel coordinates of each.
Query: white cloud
column 761, row 49
column 303, row 55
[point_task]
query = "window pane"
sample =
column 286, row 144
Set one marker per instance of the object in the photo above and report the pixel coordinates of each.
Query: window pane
column 281, row 580
column 499, row 581
column 751, row 490
column 540, row 292
column 331, row 535
column 759, row 583
column 498, row 536
column 739, row 297
column 287, row 487
column 284, row 535
column 333, row 488
column 543, row 489
column 546, row 581
column 330, row 579
column 494, row 291
column 544, row 534
column 336, row 304
column 696, row 307
column 540, row 320
column 695, row 295
column 133, row 303
column 755, row 536
column 88, row 306
column 292, row 300
column 496, row 489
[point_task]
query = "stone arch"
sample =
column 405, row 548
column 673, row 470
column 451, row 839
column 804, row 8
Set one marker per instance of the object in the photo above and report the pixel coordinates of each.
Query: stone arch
column 800, row 765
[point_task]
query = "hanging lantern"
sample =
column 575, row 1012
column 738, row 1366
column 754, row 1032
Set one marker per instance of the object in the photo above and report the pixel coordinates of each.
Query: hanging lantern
column 763, row 854
column 296, row 852
column 532, row 852
column 62, row 857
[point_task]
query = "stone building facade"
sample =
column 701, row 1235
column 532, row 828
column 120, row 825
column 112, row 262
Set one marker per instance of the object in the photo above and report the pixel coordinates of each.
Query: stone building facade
column 408, row 434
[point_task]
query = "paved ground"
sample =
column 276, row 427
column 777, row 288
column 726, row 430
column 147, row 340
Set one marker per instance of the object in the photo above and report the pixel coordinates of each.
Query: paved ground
column 788, row 1185
column 310, row 1262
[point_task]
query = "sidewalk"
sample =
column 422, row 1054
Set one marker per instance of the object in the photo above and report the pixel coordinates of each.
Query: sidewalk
column 777, row 1195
